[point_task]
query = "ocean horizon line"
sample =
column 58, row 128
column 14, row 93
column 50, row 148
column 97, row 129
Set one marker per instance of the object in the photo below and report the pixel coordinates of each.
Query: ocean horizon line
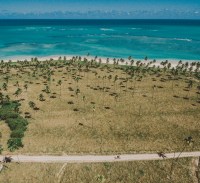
column 171, row 19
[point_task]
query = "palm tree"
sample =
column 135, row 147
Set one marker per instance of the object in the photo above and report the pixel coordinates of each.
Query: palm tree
column 77, row 92
column 77, row 80
column 26, row 87
column 107, row 61
column 16, row 109
column 7, row 98
column 32, row 105
column 6, row 79
column 41, row 97
column 60, row 83
column 180, row 62
column 47, row 90
column 188, row 141
column 115, row 79
column 93, row 111
column 132, row 62
column 186, row 65
column 84, row 100
column 129, row 58
column 190, row 85
column 175, row 73
column 18, row 92
column 64, row 58
column 169, row 66
column 153, row 91
column 5, row 86
column 17, row 83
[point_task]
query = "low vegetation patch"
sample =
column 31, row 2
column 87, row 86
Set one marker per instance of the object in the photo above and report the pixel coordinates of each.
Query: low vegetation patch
column 16, row 123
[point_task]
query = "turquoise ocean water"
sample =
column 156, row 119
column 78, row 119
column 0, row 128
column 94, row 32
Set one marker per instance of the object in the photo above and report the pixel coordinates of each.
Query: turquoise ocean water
column 156, row 39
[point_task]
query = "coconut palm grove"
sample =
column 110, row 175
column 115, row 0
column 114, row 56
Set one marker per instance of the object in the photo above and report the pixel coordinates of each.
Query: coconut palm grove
column 99, row 91
column 84, row 105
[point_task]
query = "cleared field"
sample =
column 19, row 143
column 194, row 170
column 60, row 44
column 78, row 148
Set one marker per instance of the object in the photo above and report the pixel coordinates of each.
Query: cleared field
column 86, row 107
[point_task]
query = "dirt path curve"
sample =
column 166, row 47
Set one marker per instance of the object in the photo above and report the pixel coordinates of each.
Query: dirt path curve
column 97, row 158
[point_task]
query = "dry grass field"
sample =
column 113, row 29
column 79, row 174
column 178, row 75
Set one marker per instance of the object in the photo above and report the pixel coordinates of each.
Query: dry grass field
column 85, row 107
column 77, row 107
column 127, row 172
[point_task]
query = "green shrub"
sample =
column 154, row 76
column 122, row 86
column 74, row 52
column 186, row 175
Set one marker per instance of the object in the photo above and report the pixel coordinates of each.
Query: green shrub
column 10, row 105
column 14, row 143
column 19, row 133
column 18, row 123
column 7, row 110
column 5, row 114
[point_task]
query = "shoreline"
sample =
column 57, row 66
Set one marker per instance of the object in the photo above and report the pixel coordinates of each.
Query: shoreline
column 173, row 62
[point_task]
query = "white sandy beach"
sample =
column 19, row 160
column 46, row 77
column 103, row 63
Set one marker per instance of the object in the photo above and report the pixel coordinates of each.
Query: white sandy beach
column 173, row 62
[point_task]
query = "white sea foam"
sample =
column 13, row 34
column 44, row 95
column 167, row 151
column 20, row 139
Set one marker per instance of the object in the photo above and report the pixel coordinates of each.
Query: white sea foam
column 106, row 29
column 48, row 45
column 159, row 38
column 81, row 29
column 47, row 27
column 90, row 35
column 18, row 47
column 30, row 28
column 90, row 40
column 134, row 28
column 183, row 39
column 28, row 46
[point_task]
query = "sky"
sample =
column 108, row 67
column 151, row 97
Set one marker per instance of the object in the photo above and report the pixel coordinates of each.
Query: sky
column 100, row 9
